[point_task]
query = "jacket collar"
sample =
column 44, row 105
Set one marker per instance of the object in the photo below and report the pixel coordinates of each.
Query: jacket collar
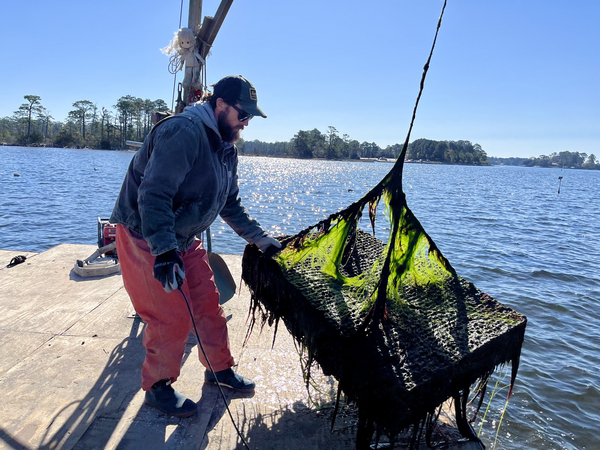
column 205, row 112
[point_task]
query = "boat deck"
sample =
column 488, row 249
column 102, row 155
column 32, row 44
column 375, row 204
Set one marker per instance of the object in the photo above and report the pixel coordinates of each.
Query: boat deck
column 70, row 358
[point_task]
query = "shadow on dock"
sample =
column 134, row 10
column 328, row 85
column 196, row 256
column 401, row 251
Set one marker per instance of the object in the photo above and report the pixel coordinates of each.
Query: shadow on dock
column 70, row 363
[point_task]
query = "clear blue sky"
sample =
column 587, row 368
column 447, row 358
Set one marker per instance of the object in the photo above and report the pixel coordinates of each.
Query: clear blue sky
column 519, row 77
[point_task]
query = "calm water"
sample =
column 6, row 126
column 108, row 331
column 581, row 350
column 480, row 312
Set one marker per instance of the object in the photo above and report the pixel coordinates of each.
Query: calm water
column 505, row 228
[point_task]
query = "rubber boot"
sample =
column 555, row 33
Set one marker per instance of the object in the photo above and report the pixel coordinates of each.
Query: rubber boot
column 162, row 396
column 231, row 380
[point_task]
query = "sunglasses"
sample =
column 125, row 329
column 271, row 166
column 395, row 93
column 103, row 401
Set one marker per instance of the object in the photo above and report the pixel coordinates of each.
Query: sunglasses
column 242, row 115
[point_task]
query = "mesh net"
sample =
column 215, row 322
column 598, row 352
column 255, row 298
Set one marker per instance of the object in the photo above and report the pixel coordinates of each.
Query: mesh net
column 393, row 323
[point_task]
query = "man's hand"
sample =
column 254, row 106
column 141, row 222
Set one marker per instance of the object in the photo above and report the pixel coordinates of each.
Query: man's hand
column 268, row 245
column 169, row 270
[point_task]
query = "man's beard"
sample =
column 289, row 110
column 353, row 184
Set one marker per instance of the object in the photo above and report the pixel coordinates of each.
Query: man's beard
column 228, row 134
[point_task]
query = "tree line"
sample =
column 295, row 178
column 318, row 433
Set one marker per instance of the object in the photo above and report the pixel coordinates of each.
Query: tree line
column 565, row 160
column 452, row 152
column 562, row 160
column 86, row 125
column 330, row 145
column 307, row 144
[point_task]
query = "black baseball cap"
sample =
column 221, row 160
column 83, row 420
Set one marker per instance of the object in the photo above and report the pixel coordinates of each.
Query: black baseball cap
column 236, row 89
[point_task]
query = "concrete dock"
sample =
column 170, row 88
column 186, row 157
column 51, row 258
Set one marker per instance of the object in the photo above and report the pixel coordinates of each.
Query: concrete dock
column 70, row 359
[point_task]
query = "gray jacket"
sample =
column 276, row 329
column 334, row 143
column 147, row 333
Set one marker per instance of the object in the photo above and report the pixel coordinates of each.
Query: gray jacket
column 179, row 181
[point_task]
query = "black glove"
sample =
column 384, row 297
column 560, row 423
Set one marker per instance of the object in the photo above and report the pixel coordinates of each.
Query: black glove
column 271, row 251
column 169, row 270
column 269, row 246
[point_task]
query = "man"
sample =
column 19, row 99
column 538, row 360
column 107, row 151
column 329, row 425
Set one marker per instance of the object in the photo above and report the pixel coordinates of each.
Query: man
column 179, row 181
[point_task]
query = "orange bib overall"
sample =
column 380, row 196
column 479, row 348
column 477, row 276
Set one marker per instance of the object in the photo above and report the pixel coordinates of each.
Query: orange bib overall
column 167, row 318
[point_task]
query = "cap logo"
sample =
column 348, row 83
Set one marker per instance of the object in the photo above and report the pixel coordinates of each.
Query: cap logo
column 253, row 94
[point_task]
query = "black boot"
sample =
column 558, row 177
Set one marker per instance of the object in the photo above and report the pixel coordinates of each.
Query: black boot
column 164, row 397
column 229, row 379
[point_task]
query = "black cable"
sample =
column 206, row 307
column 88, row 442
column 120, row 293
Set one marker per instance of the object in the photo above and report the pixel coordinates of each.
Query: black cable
column 180, row 282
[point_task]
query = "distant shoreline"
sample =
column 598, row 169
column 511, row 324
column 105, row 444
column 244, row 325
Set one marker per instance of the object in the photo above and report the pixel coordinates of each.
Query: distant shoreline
column 363, row 160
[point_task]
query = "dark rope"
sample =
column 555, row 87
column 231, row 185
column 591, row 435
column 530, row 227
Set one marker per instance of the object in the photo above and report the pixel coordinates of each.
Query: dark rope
column 422, row 84
column 211, row 367
column 175, row 75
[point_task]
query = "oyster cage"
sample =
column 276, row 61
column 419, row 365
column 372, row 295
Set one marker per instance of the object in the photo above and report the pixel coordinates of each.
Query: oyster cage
column 432, row 343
